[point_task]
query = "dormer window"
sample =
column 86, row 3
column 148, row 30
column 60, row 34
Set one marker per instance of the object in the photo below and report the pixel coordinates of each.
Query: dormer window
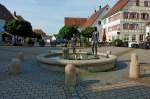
column 99, row 22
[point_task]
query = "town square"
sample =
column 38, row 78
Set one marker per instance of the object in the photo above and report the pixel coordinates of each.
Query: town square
column 104, row 55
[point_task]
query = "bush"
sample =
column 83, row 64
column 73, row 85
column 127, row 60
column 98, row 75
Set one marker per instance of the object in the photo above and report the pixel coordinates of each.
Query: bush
column 30, row 42
column 117, row 43
column 42, row 43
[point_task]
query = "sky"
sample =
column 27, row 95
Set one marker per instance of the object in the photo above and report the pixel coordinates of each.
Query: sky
column 48, row 15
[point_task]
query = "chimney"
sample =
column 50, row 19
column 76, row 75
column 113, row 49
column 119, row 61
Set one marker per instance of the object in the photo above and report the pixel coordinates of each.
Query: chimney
column 14, row 13
column 100, row 7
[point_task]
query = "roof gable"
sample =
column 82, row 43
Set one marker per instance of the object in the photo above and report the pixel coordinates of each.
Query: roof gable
column 118, row 6
column 39, row 31
column 5, row 13
column 94, row 16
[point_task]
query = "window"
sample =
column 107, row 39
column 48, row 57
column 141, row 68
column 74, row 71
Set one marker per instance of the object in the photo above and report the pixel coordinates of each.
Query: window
column 141, row 37
column 136, row 26
column 125, row 26
column 125, row 15
column 137, row 3
column 131, row 26
column 145, row 16
column 133, row 37
column 137, row 15
column 99, row 22
column 126, row 37
column 146, row 3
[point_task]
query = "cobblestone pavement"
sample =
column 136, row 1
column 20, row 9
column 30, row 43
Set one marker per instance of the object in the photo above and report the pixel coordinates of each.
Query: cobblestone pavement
column 37, row 83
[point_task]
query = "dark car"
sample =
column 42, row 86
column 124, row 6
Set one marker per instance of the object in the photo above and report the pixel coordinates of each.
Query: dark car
column 144, row 45
column 135, row 45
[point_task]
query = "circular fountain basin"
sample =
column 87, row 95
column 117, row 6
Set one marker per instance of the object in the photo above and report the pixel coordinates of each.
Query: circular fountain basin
column 55, row 62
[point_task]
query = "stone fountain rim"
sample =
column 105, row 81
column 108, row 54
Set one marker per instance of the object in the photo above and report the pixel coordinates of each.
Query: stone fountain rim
column 42, row 58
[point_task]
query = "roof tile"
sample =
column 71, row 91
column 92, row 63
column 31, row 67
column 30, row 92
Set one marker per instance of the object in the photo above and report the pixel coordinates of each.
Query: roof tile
column 118, row 6
column 5, row 13
column 94, row 16
column 75, row 21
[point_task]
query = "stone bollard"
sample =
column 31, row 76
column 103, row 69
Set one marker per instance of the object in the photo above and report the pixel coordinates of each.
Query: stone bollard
column 134, row 67
column 70, row 76
column 20, row 56
column 108, row 53
column 15, row 66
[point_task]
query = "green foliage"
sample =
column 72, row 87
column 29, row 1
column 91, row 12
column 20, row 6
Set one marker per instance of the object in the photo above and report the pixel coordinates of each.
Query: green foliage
column 30, row 42
column 87, row 32
column 17, row 27
column 42, row 43
column 117, row 43
column 67, row 32
column 36, row 35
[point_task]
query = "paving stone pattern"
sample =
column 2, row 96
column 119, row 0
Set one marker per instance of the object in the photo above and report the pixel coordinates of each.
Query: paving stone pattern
column 37, row 83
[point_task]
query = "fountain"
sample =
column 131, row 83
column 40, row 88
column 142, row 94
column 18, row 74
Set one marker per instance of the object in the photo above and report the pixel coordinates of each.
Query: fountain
column 82, row 60
column 91, row 61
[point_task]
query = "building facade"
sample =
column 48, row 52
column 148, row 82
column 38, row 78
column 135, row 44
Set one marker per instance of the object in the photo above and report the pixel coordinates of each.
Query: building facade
column 5, row 16
column 95, row 20
column 126, row 20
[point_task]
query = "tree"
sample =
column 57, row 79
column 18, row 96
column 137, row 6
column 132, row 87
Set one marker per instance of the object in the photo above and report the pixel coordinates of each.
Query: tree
column 87, row 32
column 67, row 32
column 19, row 27
column 37, row 35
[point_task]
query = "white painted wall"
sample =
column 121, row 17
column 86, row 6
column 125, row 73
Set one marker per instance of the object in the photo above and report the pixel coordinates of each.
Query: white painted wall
column 130, row 7
column 147, row 30
column 112, row 34
column 100, row 18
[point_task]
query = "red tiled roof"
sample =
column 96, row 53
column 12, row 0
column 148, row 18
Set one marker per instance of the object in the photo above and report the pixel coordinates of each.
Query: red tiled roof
column 75, row 21
column 39, row 31
column 118, row 6
column 5, row 14
column 94, row 16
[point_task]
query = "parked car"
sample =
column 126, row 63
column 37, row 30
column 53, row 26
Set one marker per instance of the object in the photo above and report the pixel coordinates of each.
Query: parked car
column 133, row 45
column 144, row 45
